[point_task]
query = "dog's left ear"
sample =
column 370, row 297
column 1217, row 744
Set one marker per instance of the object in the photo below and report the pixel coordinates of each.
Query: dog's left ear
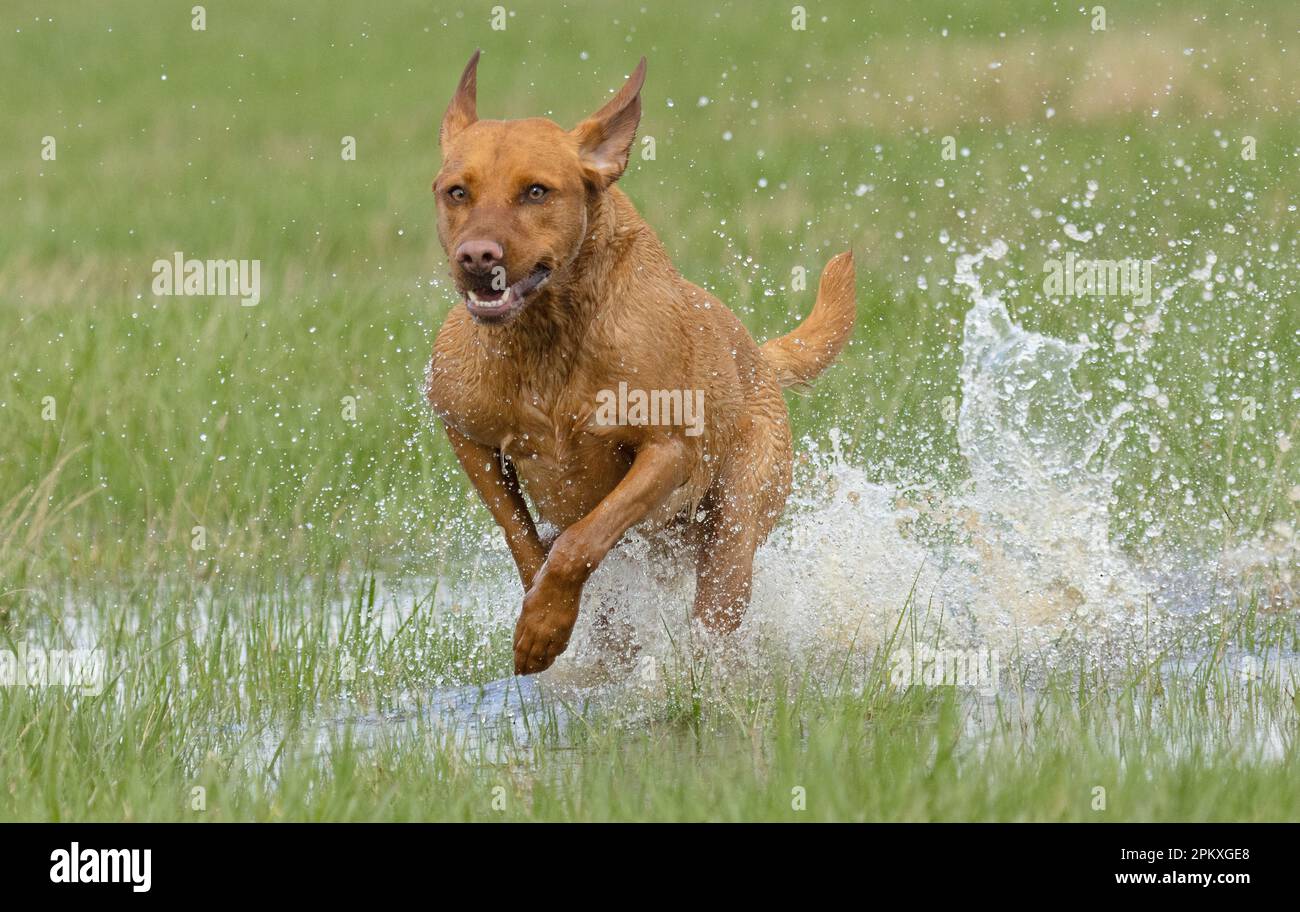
column 605, row 138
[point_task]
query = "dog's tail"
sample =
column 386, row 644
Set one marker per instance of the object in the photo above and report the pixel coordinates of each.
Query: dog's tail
column 801, row 355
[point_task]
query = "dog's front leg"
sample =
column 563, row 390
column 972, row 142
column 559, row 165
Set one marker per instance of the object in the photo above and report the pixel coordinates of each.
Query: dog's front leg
column 551, row 605
column 497, row 484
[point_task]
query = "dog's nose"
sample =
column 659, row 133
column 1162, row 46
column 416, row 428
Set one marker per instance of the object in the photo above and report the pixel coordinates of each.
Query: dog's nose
column 478, row 257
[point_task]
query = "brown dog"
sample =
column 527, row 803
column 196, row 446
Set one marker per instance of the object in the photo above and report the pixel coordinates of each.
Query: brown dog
column 571, row 308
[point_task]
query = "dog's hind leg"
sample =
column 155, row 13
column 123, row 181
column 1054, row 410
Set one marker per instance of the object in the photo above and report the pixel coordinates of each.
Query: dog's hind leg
column 724, row 567
column 740, row 510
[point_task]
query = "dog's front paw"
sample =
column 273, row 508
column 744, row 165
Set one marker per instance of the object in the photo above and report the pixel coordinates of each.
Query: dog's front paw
column 544, row 625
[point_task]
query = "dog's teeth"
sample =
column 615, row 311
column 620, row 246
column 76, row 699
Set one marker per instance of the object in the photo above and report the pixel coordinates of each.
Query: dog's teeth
column 498, row 303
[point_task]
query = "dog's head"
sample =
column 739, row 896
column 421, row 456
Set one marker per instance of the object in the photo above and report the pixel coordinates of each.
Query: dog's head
column 513, row 195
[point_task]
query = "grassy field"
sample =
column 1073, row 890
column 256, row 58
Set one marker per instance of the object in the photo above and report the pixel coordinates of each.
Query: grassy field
column 137, row 428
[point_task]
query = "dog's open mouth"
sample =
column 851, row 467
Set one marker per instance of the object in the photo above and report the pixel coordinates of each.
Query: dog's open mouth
column 498, row 305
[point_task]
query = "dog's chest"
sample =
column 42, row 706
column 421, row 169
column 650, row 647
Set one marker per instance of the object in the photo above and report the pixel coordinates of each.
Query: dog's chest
column 566, row 459
column 560, row 428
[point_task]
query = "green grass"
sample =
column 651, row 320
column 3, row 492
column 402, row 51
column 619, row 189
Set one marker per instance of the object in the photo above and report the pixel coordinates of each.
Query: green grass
column 177, row 413
column 1201, row 743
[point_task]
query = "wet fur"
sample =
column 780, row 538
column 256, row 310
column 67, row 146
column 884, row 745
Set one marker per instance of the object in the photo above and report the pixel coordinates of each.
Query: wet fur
column 518, row 398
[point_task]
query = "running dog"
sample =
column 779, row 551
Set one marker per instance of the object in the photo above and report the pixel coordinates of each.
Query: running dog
column 570, row 304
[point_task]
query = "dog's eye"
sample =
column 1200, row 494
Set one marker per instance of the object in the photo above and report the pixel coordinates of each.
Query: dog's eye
column 457, row 193
column 536, row 192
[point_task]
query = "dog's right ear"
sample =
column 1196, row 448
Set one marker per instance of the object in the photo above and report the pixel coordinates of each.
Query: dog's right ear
column 463, row 109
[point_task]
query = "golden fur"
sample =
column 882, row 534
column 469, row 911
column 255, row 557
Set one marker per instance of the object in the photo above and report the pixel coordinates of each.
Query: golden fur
column 516, row 375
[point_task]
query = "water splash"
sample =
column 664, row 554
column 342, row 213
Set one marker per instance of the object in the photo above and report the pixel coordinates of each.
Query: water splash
column 1020, row 559
column 1007, row 563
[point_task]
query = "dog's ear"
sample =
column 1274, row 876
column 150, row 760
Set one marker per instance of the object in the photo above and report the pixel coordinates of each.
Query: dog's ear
column 463, row 109
column 605, row 138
